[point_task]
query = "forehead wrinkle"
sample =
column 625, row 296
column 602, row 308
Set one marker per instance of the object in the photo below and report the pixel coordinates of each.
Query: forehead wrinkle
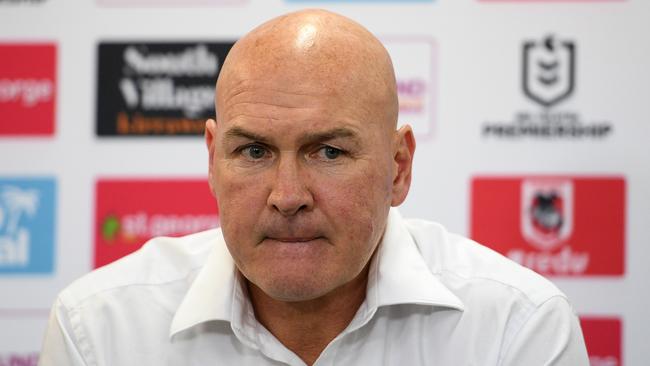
column 256, row 110
column 244, row 80
column 279, row 105
column 267, row 116
column 253, row 98
column 277, row 97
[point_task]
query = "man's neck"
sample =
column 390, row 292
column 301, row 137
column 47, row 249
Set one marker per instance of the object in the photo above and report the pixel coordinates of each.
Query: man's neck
column 307, row 327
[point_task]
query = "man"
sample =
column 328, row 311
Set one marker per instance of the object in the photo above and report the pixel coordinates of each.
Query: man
column 311, row 265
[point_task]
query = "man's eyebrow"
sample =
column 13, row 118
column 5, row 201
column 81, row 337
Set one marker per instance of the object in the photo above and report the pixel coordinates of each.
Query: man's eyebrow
column 238, row 132
column 339, row 132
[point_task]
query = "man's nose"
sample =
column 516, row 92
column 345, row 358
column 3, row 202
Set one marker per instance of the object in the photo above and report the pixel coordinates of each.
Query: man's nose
column 289, row 192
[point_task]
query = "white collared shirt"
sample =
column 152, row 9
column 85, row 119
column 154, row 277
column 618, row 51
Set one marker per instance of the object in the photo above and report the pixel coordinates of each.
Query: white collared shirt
column 433, row 298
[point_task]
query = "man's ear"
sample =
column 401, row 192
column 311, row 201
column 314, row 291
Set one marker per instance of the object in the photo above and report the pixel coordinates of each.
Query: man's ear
column 210, row 136
column 403, row 160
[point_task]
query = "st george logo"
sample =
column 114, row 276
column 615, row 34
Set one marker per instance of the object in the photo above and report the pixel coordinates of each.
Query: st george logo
column 548, row 70
column 555, row 225
column 547, row 212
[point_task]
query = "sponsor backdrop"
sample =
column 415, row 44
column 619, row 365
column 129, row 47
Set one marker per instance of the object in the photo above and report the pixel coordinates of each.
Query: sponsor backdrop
column 530, row 116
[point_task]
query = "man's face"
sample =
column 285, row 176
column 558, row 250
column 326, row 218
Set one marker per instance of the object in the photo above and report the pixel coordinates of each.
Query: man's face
column 303, row 175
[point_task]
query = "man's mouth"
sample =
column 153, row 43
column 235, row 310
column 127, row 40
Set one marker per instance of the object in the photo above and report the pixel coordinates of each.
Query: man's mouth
column 294, row 239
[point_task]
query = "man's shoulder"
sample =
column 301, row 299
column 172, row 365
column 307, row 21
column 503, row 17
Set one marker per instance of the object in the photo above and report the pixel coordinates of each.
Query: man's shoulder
column 160, row 261
column 465, row 265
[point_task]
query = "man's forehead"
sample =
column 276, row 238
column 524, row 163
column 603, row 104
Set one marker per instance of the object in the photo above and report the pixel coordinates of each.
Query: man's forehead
column 291, row 81
column 279, row 88
column 305, row 108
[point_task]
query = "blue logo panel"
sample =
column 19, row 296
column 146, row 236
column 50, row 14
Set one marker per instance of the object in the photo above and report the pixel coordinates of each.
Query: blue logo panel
column 27, row 225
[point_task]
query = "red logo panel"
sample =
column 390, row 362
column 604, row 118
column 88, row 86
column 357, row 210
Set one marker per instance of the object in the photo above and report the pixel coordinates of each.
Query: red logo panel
column 129, row 212
column 603, row 339
column 27, row 89
column 551, row 1
column 555, row 225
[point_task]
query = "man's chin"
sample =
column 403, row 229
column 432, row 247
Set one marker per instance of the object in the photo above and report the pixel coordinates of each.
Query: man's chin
column 293, row 290
column 297, row 296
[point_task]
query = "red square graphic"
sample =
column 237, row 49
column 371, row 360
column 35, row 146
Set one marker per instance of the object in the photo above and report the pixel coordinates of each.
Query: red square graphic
column 27, row 89
column 555, row 225
column 603, row 339
column 129, row 212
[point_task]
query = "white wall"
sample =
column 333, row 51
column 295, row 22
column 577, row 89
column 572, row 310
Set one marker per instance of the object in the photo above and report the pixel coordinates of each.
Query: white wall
column 469, row 55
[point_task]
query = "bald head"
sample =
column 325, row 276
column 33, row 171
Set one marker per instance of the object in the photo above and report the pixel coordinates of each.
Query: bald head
column 314, row 51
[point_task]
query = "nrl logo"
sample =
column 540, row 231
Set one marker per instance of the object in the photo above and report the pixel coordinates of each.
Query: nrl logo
column 548, row 70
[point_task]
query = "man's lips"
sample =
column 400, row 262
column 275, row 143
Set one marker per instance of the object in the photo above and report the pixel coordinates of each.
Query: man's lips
column 292, row 239
column 294, row 247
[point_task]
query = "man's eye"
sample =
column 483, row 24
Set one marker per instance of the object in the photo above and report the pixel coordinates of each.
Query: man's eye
column 254, row 152
column 330, row 153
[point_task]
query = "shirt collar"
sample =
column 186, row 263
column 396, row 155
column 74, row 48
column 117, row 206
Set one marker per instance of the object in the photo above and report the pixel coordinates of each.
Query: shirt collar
column 210, row 296
column 398, row 275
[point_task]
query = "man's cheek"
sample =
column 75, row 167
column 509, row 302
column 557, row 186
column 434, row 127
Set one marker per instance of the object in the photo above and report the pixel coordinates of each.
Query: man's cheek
column 349, row 203
column 236, row 189
column 240, row 206
column 345, row 199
